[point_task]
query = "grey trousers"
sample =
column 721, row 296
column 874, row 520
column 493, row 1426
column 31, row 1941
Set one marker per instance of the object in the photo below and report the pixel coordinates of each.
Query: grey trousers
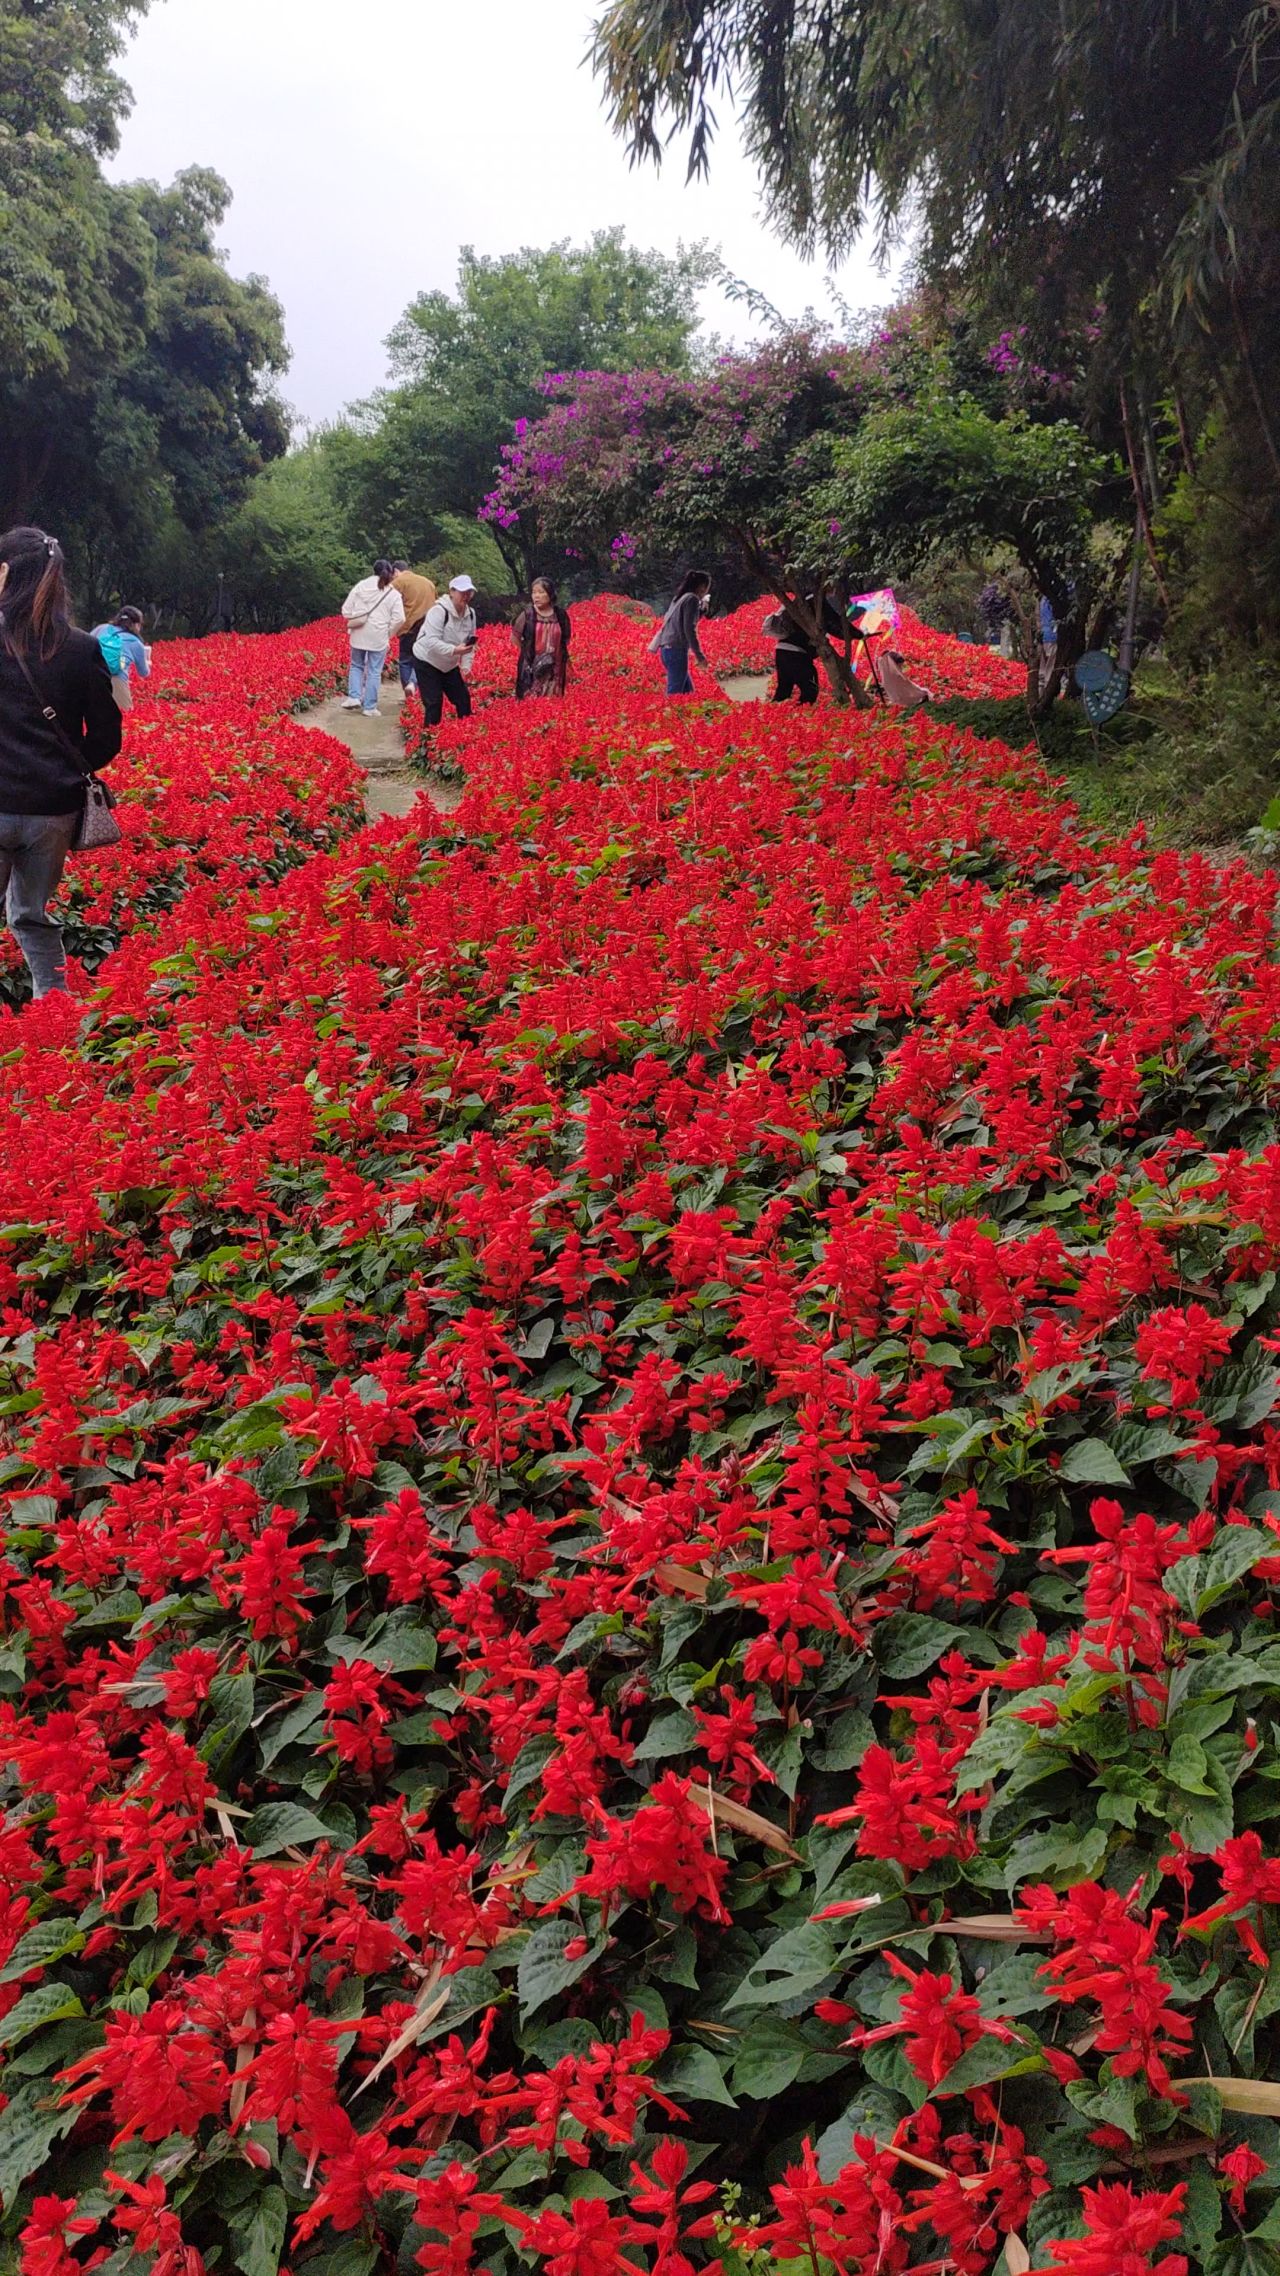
column 33, row 853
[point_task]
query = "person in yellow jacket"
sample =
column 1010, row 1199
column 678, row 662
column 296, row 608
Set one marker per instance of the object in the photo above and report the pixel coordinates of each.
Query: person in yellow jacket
column 418, row 594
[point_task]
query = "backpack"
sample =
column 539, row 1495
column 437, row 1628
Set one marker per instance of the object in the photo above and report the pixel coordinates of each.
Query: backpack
column 111, row 642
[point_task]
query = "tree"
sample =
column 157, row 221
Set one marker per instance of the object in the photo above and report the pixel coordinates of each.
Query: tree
column 135, row 372
column 1051, row 145
column 938, row 476
column 75, row 255
column 469, row 366
column 625, row 470
column 174, row 427
column 1105, row 172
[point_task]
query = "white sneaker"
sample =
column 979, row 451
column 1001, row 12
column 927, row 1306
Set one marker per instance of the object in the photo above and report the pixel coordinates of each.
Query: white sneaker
column 351, row 703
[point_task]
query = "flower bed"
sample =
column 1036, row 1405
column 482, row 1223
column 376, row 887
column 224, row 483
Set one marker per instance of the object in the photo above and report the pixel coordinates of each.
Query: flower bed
column 640, row 1481
column 217, row 786
column 947, row 667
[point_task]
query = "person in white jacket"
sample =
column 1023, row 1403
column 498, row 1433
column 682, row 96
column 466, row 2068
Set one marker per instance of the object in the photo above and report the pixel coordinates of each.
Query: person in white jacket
column 444, row 652
column 374, row 612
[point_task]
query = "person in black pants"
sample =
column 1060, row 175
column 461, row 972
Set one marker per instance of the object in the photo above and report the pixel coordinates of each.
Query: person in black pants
column 796, row 655
column 444, row 651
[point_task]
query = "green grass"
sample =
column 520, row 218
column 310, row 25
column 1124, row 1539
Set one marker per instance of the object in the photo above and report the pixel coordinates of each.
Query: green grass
column 1196, row 765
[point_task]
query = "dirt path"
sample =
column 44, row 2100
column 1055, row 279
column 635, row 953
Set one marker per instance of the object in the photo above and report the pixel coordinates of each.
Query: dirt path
column 378, row 747
column 746, row 687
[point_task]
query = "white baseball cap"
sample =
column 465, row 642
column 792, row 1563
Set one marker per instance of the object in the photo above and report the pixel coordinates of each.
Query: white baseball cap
column 461, row 584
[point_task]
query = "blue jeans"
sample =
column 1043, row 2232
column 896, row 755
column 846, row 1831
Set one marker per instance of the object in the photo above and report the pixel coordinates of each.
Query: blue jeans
column 33, row 851
column 365, row 676
column 675, row 663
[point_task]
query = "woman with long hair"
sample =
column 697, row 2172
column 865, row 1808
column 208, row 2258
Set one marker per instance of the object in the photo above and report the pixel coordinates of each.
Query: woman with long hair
column 676, row 638
column 542, row 632
column 59, row 723
column 374, row 612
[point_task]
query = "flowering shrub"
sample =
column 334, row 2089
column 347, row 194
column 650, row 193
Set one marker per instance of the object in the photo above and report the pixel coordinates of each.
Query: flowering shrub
column 641, row 1520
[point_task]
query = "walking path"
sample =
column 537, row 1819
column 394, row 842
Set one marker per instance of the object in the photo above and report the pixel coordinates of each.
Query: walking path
column 378, row 747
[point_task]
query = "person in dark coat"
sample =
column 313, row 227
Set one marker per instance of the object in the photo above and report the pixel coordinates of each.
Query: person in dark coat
column 542, row 633
column 59, row 723
column 796, row 655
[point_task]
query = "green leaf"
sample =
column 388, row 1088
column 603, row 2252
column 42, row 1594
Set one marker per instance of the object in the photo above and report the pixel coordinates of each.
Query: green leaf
column 231, row 1706
column 692, row 2074
column 1187, row 1765
column 47, row 1941
column 794, row 1964
column 529, row 1765
column 282, row 1825
column 670, row 1734
column 258, row 2245
column 544, row 1971
column 1090, row 1462
column 1205, row 1824
column 29, row 2127
column 910, row 1642
column 769, row 2059
column 874, row 2110
column 296, row 1723
column 47, row 2003
column 989, row 2058
column 1003, row 1744
column 846, row 1741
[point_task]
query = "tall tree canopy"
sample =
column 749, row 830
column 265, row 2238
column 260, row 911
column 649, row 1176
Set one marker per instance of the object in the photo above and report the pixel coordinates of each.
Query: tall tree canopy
column 135, row 372
column 1048, row 145
column 1099, row 177
column 469, row 365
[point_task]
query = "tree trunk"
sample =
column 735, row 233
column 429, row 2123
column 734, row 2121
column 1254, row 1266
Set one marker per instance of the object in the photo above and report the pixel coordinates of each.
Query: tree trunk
column 840, row 677
column 1140, row 499
column 1251, row 375
column 29, row 470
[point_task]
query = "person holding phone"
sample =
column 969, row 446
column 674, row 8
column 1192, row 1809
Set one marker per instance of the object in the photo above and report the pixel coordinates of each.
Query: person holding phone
column 444, row 652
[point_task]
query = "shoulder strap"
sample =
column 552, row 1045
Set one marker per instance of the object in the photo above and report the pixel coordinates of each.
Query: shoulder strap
column 47, row 711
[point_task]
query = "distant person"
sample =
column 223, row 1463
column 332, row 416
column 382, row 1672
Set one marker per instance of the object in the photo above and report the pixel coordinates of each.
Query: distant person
column 900, row 691
column 374, row 612
column 542, row 633
column 445, row 650
column 122, row 645
column 418, row 594
column 59, row 723
column 796, row 655
column 1047, row 625
column 676, row 638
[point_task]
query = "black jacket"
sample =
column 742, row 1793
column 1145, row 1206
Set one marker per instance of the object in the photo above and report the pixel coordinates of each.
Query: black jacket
column 38, row 774
column 799, row 640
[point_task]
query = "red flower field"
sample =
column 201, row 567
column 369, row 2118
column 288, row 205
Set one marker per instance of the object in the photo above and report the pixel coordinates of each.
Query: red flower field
column 642, row 1509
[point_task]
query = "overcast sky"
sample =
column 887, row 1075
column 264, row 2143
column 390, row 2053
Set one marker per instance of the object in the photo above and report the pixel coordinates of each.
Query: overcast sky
column 364, row 146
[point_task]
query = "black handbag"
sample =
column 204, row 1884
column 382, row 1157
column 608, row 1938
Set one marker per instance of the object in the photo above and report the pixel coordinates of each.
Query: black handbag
column 97, row 827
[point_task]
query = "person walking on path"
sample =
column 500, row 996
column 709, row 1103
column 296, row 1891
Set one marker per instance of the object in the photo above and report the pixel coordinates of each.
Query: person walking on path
column 676, row 638
column 122, row 645
column 796, row 655
column 418, row 594
column 542, row 633
column 444, row 652
column 374, row 612
column 59, row 723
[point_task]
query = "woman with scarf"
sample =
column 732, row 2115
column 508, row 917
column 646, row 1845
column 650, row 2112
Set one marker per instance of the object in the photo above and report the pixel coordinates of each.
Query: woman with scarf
column 542, row 633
